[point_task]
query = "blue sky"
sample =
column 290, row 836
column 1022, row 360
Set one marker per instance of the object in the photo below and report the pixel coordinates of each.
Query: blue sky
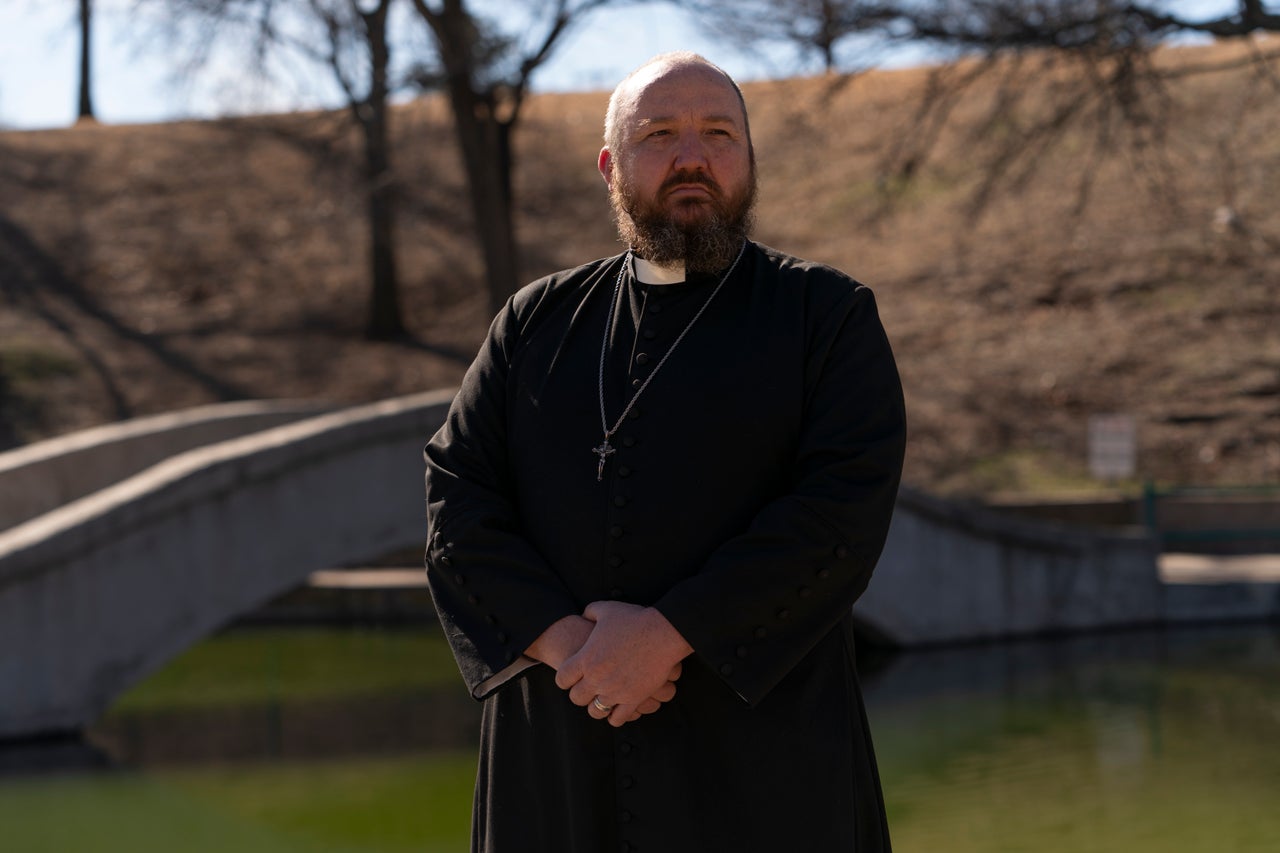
column 135, row 83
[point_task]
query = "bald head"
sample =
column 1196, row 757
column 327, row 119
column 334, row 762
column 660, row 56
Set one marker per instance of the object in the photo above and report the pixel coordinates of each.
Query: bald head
column 623, row 101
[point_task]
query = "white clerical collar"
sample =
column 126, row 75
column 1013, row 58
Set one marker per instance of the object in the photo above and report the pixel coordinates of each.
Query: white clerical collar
column 648, row 273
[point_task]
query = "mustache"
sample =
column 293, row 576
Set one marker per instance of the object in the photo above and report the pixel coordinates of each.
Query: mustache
column 689, row 177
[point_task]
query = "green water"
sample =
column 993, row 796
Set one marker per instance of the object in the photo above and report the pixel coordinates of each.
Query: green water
column 1128, row 744
column 335, row 740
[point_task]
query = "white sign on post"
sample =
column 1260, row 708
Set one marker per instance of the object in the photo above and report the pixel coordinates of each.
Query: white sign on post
column 1113, row 446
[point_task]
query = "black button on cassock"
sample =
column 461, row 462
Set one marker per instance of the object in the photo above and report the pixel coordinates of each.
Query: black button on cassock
column 741, row 651
column 615, row 561
column 624, row 816
column 841, row 552
column 625, row 748
column 628, row 441
column 615, row 593
column 615, row 531
column 650, row 334
column 619, row 500
column 823, row 574
column 627, row 782
column 642, row 358
column 761, row 632
column 726, row 669
column 784, row 614
column 624, row 471
column 804, row 592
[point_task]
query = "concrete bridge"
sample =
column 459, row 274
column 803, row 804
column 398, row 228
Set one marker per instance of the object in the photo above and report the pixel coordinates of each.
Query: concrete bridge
column 159, row 537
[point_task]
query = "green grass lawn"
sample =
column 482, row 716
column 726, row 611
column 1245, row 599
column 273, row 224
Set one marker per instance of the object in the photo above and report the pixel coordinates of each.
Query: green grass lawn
column 253, row 666
column 420, row 804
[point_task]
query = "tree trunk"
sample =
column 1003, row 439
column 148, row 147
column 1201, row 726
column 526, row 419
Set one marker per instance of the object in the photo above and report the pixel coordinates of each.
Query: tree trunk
column 484, row 138
column 85, row 112
column 385, row 318
column 486, row 150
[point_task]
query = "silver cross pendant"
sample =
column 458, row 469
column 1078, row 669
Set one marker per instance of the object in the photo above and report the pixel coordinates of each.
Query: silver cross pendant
column 603, row 451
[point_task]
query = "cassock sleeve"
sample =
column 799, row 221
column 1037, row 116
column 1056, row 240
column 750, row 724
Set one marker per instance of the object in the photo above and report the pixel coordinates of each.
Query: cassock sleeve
column 766, row 597
column 494, row 592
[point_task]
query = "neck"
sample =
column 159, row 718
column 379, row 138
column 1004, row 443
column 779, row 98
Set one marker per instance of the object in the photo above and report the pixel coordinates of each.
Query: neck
column 651, row 273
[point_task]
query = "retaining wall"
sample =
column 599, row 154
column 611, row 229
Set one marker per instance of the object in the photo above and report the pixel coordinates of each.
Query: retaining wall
column 958, row 572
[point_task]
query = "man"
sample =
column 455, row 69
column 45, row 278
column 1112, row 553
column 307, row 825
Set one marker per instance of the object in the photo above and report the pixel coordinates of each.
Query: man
column 665, row 480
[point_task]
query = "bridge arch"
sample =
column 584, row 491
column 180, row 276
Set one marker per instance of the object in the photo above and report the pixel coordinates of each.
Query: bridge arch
column 99, row 592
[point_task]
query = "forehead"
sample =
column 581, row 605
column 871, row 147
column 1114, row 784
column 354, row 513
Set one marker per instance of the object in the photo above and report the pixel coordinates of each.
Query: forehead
column 666, row 92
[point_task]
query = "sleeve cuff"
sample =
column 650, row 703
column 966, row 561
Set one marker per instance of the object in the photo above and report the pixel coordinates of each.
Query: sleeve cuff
column 493, row 682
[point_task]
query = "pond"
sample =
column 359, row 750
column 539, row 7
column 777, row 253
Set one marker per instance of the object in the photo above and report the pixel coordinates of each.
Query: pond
column 355, row 741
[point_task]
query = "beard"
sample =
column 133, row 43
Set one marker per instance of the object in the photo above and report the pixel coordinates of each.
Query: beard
column 704, row 234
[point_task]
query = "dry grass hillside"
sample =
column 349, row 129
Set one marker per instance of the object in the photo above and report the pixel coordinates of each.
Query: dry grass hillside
column 148, row 268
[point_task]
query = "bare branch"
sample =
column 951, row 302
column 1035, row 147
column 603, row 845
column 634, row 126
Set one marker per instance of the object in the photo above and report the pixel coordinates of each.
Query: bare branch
column 485, row 69
column 1251, row 17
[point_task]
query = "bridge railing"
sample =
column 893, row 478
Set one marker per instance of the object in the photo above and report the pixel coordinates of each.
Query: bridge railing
column 45, row 475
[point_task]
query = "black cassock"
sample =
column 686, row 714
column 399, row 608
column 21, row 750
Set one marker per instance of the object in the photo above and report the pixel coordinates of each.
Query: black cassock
column 748, row 500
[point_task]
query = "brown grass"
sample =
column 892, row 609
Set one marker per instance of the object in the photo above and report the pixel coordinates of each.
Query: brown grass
column 147, row 268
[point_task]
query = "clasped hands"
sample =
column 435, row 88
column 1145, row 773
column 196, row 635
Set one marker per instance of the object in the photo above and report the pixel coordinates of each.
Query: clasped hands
column 626, row 655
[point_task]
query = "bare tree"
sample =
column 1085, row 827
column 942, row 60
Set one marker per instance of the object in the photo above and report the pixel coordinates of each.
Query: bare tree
column 1114, row 82
column 347, row 25
column 486, row 72
column 350, row 39
column 1065, row 24
column 1099, row 55
column 979, row 25
column 484, row 66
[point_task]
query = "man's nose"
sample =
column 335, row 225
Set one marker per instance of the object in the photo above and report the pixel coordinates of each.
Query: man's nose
column 691, row 153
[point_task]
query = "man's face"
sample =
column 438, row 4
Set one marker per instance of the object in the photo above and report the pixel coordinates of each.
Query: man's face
column 682, row 181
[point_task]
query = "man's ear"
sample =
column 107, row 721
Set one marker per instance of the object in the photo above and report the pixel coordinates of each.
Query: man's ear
column 605, row 165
